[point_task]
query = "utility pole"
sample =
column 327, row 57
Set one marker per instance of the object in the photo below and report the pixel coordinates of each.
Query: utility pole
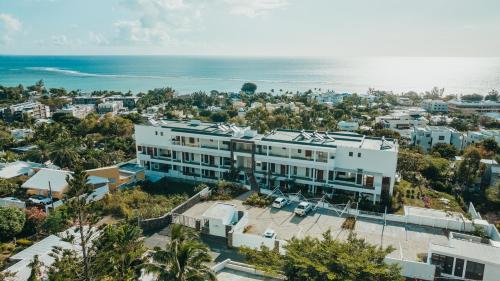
column 50, row 196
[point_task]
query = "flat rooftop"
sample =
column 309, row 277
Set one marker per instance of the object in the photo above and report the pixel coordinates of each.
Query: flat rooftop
column 409, row 241
column 330, row 139
column 326, row 139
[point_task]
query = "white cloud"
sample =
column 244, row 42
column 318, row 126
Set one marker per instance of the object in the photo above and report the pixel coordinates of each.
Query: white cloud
column 254, row 8
column 158, row 20
column 9, row 25
column 60, row 40
column 98, row 38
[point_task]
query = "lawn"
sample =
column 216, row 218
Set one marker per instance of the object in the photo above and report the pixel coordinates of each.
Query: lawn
column 406, row 193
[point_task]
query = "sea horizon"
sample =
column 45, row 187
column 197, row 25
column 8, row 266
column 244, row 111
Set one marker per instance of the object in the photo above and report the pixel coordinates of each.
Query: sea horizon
column 191, row 73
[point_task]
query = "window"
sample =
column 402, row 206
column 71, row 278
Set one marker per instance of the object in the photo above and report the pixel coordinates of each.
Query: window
column 474, row 270
column 161, row 134
column 295, row 170
column 441, row 138
column 156, row 132
column 299, row 150
column 359, row 154
column 308, row 153
column 351, row 154
column 264, row 166
column 273, row 167
column 459, row 267
column 443, row 263
column 307, row 172
column 191, row 140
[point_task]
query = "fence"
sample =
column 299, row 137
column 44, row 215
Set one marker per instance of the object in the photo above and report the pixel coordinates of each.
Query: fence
column 165, row 220
column 449, row 223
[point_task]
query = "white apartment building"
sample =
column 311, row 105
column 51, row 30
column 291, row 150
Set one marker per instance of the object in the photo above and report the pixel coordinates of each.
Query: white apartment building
column 404, row 101
column 112, row 107
column 33, row 110
column 329, row 97
column 466, row 257
column 325, row 162
column 467, row 107
column 401, row 120
column 434, row 105
column 349, row 126
column 78, row 111
column 478, row 136
column 428, row 136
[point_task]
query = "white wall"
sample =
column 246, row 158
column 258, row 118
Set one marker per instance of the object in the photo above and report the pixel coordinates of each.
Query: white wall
column 216, row 227
column 413, row 269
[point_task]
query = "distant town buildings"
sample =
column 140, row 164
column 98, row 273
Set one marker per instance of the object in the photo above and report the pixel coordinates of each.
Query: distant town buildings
column 21, row 134
column 428, row 136
column 78, row 111
column 433, row 106
column 401, row 120
column 19, row 111
column 478, row 136
column 348, row 126
column 112, row 107
column 329, row 97
column 466, row 107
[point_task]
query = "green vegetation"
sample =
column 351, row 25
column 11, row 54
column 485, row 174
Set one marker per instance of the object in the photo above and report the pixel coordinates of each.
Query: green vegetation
column 11, row 222
column 258, row 200
column 326, row 259
column 226, row 191
column 184, row 259
column 406, row 193
column 135, row 203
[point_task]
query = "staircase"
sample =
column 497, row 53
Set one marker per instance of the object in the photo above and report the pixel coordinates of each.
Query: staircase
column 253, row 182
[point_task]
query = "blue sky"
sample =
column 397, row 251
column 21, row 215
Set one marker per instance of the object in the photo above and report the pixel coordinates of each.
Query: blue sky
column 252, row 27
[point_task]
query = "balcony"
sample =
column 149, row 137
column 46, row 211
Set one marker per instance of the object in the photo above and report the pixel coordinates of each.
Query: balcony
column 302, row 158
column 209, row 146
column 352, row 184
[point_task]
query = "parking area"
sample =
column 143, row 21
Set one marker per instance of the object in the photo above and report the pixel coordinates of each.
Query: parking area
column 408, row 240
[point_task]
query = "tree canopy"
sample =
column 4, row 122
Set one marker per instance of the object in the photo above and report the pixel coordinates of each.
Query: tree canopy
column 326, row 259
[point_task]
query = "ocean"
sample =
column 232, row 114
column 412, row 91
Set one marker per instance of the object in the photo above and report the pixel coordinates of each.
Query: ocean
column 187, row 74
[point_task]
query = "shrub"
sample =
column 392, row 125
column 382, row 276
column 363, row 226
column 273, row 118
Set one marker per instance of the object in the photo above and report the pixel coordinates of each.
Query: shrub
column 349, row 223
column 133, row 203
column 24, row 242
column 257, row 200
column 11, row 222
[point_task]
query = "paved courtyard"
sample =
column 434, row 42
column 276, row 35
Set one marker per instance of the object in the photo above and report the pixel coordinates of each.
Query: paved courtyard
column 408, row 240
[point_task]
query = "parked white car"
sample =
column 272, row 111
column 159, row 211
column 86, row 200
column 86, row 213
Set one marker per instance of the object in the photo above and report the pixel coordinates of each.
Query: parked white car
column 40, row 200
column 269, row 233
column 280, row 202
column 303, row 208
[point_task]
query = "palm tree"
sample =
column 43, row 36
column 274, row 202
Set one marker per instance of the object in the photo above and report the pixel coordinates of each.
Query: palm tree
column 63, row 152
column 119, row 252
column 184, row 258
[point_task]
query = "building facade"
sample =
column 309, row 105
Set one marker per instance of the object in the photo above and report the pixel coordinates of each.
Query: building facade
column 428, row 136
column 324, row 162
column 466, row 257
column 18, row 111
column 466, row 107
column 434, row 105
column 478, row 136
